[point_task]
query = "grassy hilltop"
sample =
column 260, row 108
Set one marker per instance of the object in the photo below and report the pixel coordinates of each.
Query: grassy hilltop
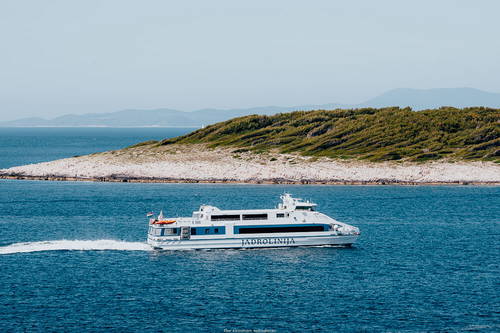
column 371, row 134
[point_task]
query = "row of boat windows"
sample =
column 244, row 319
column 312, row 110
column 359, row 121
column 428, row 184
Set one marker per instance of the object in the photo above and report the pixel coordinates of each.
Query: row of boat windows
column 208, row 231
column 245, row 217
column 194, row 231
column 240, row 230
column 270, row 230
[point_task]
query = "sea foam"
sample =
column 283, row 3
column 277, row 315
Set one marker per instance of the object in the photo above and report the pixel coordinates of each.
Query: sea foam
column 75, row 245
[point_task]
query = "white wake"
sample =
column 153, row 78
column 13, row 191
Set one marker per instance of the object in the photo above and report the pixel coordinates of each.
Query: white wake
column 74, row 245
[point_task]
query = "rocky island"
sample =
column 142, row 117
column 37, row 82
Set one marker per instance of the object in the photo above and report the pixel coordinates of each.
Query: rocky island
column 356, row 146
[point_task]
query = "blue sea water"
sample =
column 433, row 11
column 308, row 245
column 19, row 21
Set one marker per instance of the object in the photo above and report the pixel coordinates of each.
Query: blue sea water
column 427, row 259
column 26, row 145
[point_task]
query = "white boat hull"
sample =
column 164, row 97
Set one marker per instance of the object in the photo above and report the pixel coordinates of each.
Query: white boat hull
column 252, row 242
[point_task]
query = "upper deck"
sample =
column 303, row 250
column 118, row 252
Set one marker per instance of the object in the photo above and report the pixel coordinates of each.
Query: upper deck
column 290, row 210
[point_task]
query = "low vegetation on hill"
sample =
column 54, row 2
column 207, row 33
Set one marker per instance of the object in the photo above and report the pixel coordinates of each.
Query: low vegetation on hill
column 370, row 134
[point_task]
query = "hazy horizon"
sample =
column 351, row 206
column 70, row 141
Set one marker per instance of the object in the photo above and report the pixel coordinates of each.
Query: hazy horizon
column 91, row 57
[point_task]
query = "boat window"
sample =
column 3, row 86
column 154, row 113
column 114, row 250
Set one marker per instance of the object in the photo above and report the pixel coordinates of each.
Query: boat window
column 158, row 232
column 279, row 215
column 208, row 231
column 169, row 231
column 267, row 230
column 304, row 208
column 254, row 216
column 225, row 217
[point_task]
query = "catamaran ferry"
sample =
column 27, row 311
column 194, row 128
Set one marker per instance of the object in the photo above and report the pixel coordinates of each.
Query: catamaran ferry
column 294, row 222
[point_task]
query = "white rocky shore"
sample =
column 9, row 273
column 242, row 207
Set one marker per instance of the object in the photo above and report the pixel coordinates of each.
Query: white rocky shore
column 196, row 163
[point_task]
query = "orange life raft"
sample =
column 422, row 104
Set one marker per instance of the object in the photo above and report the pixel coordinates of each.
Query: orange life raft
column 164, row 222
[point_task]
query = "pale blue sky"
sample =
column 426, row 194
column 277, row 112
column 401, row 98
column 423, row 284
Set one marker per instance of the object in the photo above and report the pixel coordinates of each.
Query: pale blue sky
column 61, row 57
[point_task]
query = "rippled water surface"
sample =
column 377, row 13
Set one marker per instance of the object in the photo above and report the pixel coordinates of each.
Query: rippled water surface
column 27, row 145
column 73, row 258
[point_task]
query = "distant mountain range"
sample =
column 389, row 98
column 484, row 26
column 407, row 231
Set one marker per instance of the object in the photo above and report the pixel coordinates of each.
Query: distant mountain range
column 417, row 99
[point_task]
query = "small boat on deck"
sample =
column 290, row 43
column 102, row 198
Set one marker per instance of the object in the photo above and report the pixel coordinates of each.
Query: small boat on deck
column 294, row 222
